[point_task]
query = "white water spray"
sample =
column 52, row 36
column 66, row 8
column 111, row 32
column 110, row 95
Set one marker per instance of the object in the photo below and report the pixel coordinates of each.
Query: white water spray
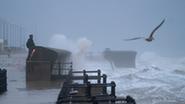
column 79, row 48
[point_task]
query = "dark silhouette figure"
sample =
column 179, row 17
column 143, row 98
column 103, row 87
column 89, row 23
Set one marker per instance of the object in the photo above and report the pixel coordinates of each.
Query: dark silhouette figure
column 30, row 45
column 150, row 38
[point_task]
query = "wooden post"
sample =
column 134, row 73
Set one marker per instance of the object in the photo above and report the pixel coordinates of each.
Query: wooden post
column 113, row 91
column 113, row 88
column 85, row 78
column 104, row 82
column 88, row 89
column 99, row 76
column 71, row 66
column 70, row 75
column 84, row 72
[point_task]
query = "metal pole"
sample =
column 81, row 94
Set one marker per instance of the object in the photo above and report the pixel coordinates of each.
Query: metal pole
column 99, row 76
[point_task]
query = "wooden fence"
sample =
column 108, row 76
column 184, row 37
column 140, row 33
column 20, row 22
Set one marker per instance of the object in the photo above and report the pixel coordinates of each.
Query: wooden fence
column 90, row 93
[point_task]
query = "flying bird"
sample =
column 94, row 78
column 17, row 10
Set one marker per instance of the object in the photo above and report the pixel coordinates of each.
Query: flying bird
column 150, row 38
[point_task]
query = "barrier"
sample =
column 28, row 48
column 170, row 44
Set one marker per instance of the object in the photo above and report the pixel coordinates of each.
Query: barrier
column 75, row 93
column 46, row 70
column 84, row 74
column 3, row 80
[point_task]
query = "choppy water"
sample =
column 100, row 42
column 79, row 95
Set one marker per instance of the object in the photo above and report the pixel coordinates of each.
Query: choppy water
column 155, row 80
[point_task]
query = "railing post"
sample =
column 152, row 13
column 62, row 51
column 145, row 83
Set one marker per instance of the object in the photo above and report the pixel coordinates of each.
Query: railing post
column 113, row 88
column 94, row 100
column 88, row 89
column 84, row 72
column 71, row 66
column 113, row 91
column 99, row 76
column 85, row 78
column 104, row 82
column 70, row 75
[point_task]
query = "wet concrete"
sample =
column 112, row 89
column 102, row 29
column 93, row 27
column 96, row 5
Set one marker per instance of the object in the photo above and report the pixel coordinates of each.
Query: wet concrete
column 22, row 92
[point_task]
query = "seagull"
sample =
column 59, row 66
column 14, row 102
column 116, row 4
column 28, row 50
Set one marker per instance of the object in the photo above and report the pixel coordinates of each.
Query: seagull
column 150, row 38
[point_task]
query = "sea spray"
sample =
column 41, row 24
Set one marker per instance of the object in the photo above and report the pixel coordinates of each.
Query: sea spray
column 60, row 41
column 79, row 48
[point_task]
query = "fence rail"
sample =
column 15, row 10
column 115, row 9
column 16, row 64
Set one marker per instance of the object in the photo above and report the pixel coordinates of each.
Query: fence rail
column 85, row 76
column 3, row 80
column 90, row 93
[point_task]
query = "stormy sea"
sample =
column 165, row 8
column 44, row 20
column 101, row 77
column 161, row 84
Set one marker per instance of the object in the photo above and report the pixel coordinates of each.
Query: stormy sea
column 154, row 80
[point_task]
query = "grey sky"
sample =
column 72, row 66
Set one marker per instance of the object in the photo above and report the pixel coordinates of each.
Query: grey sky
column 105, row 22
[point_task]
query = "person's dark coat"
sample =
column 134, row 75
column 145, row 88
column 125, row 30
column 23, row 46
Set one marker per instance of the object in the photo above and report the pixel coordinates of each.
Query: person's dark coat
column 30, row 43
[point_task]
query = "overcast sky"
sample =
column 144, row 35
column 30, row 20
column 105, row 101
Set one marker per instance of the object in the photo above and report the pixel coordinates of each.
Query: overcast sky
column 104, row 22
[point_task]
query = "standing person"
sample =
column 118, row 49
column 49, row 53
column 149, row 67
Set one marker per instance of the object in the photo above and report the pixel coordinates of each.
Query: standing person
column 30, row 45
